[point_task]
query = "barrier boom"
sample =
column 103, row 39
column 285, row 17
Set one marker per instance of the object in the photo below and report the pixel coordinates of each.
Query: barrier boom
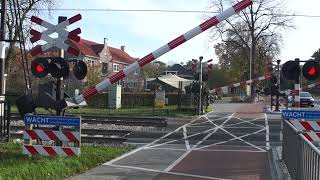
column 162, row 50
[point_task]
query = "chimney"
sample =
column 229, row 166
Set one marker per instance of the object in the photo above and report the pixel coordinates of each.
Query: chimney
column 105, row 41
column 123, row 48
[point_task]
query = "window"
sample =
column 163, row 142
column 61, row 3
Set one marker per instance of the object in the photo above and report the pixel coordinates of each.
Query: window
column 104, row 68
column 116, row 67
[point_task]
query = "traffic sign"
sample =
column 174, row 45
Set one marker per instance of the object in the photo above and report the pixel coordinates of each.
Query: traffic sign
column 60, row 29
column 297, row 114
column 52, row 120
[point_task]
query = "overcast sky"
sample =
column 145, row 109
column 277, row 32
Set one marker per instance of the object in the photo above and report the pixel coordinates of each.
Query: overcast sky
column 144, row 32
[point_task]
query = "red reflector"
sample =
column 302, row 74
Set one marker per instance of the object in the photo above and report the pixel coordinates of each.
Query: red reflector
column 312, row 71
column 39, row 68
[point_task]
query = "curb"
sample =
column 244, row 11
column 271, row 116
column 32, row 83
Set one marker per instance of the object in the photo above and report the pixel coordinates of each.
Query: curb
column 269, row 111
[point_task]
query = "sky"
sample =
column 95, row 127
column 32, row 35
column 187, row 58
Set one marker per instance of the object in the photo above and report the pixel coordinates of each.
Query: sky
column 144, row 32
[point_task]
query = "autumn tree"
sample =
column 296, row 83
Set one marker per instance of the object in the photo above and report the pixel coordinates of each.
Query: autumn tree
column 254, row 34
column 153, row 70
column 18, row 18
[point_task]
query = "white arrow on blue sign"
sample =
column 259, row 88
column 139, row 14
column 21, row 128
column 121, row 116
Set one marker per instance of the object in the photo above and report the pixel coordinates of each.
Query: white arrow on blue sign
column 52, row 120
column 295, row 114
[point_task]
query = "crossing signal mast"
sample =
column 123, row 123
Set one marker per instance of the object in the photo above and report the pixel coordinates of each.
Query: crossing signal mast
column 57, row 67
column 291, row 70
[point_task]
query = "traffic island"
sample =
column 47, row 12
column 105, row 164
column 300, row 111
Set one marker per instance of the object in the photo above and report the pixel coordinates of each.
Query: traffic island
column 14, row 165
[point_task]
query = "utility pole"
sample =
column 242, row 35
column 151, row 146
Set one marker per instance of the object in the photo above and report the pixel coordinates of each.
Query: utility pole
column 278, row 83
column 59, row 94
column 200, row 83
column 2, row 48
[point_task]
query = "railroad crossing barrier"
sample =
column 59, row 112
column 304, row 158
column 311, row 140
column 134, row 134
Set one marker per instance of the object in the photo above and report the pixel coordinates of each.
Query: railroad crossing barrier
column 225, row 89
column 157, row 53
column 52, row 136
column 299, row 153
column 5, row 121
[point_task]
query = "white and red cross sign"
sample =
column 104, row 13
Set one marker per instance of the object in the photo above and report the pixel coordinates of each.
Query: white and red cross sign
column 58, row 42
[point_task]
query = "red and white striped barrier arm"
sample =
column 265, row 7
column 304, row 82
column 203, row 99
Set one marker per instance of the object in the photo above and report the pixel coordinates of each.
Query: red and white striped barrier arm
column 50, row 150
column 48, row 135
column 225, row 89
column 311, row 85
column 312, row 136
column 301, row 125
column 163, row 50
column 60, row 29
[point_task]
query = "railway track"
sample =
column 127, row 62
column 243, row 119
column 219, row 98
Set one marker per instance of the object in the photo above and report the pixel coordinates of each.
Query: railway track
column 116, row 120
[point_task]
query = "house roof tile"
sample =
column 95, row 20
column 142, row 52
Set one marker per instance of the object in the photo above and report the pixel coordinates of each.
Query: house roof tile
column 90, row 48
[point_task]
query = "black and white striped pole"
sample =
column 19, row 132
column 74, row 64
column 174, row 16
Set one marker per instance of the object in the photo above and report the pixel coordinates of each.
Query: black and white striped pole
column 2, row 48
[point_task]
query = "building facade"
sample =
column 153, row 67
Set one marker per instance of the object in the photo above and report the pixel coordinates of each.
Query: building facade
column 107, row 60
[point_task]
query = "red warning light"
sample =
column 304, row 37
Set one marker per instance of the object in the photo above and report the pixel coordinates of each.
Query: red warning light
column 312, row 71
column 39, row 68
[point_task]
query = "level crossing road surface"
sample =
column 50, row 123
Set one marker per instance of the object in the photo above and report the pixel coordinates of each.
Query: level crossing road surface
column 231, row 142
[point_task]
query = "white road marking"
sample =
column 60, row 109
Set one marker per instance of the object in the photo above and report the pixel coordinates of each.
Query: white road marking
column 195, row 146
column 225, row 117
column 223, row 142
column 141, row 148
column 209, row 150
column 186, row 141
column 250, row 121
column 173, row 173
column 267, row 132
column 196, row 134
column 246, row 142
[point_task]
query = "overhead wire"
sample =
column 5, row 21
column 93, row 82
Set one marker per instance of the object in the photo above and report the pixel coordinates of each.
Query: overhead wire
column 166, row 11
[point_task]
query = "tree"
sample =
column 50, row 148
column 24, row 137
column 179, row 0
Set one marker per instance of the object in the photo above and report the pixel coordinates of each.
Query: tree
column 255, row 31
column 316, row 55
column 18, row 18
column 218, row 77
column 153, row 70
column 93, row 76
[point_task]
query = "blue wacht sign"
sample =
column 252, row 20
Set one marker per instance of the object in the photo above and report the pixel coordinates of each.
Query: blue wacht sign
column 52, row 120
column 296, row 114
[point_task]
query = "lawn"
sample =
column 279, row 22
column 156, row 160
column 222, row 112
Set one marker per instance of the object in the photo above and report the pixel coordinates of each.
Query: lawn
column 168, row 111
column 14, row 165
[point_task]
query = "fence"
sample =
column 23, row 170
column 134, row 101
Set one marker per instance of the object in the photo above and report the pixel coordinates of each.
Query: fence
column 5, row 108
column 301, row 157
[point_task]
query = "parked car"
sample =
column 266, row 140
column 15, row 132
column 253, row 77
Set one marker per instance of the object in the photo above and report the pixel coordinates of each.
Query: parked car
column 306, row 99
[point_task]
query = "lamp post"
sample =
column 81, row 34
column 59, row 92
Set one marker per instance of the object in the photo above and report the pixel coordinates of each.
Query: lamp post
column 200, row 82
column 278, row 83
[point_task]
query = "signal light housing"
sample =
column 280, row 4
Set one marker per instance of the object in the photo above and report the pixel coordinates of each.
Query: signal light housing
column 311, row 70
column 39, row 67
column 291, row 70
column 80, row 70
column 59, row 68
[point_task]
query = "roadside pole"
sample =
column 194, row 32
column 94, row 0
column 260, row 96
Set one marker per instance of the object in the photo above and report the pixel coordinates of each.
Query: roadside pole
column 278, row 82
column 2, row 48
column 200, row 83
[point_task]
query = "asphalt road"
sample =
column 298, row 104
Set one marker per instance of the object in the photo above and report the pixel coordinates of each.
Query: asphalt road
column 232, row 142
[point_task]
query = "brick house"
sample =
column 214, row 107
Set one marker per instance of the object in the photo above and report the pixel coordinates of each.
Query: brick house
column 108, row 60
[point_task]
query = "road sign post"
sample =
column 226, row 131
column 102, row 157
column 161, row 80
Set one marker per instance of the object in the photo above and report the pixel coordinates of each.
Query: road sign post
column 46, row 137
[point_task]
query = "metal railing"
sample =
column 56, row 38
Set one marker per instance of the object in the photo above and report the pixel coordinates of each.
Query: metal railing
column 301, row 157
column 5, row 110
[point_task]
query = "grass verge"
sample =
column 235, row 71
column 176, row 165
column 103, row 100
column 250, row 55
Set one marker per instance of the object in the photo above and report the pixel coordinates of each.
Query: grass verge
column 14, row 165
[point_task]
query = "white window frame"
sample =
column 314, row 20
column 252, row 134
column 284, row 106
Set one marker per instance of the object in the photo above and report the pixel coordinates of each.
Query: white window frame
column 115, row 67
